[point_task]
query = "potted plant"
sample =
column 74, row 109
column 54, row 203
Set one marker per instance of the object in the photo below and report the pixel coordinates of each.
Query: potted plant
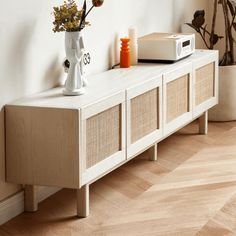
column 226, row 109
column 70, row 19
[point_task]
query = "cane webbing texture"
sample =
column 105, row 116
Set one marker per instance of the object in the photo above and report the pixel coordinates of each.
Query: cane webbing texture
column 204, row 83
column 144, row 114
column 103, row 135
column 177, row 98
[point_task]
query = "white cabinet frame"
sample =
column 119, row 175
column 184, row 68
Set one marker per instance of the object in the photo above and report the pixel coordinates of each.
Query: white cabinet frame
column 185, row 118
column 199, row 109
column 88, row 175
column 140, row 145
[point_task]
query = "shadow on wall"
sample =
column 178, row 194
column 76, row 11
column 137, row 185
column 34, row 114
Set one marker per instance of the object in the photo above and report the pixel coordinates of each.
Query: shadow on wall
column 22, row 56
column 19, row 58
column 53, row 76
column 113, row 52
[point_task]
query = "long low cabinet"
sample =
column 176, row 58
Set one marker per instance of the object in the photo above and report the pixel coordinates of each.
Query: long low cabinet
column 70, row 142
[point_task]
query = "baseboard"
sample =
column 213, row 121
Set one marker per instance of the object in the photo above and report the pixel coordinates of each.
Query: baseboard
column 11, row 207
column 14, row 205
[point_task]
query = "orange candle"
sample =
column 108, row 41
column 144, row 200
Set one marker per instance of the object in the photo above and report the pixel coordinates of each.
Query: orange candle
column 125, row 53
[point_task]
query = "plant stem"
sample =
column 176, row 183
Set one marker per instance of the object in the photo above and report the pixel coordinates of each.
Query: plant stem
column 205, row 30
column 91, row 8
column 226, row 33
column 231, row 41
column 233, row 18
column 213, row 24
column 204, row 40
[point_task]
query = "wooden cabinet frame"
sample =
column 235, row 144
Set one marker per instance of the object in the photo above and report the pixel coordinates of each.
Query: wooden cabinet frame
column 51, row 150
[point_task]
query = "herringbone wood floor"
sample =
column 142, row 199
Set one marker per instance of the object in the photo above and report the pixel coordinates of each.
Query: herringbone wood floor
column 191, row 190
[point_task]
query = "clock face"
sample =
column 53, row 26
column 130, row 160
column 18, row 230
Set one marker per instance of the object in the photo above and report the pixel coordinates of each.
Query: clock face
column 86, row 58
column 86, row 61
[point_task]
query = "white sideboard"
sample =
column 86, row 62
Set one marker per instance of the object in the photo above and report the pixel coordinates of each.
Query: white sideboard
column 70, row 142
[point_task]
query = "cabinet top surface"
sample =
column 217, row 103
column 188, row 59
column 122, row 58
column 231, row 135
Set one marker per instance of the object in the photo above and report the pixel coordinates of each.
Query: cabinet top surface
column 106, row 84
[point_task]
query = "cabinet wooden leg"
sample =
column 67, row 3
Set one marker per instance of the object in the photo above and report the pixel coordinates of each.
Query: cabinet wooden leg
column 152, row 153
column 83, row 201
column 31, row 202
column 203, row 123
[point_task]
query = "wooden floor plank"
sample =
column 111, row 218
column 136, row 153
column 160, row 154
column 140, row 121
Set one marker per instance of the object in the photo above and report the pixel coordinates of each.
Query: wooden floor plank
column 190, row 190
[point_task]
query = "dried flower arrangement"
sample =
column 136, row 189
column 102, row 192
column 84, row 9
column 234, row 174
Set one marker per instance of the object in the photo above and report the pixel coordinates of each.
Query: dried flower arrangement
column 68, row 17
column 210, row 38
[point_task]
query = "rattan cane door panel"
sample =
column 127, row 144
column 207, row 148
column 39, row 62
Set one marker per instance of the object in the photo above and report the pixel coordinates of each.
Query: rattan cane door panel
column 177, row 98
column 204, row 83
column 144, row 114
column 103, row 135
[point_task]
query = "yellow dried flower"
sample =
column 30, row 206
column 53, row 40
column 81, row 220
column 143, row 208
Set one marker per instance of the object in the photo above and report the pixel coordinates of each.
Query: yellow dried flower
column 67, row 17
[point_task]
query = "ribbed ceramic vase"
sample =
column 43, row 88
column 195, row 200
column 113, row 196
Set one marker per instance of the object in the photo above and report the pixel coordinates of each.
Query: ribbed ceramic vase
column 74, row 47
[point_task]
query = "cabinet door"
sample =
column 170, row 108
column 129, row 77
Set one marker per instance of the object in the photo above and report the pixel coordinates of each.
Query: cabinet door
column 205, row 79
column 177, row 98
column 144, row 115
column 102, row 137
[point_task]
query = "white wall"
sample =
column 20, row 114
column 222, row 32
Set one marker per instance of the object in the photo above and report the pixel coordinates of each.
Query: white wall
column 31, row 54
column 184, row 11
column 111, row 22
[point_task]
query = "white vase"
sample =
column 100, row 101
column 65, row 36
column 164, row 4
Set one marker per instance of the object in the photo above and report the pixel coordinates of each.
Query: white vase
column 74, row 47
column 226, row 109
